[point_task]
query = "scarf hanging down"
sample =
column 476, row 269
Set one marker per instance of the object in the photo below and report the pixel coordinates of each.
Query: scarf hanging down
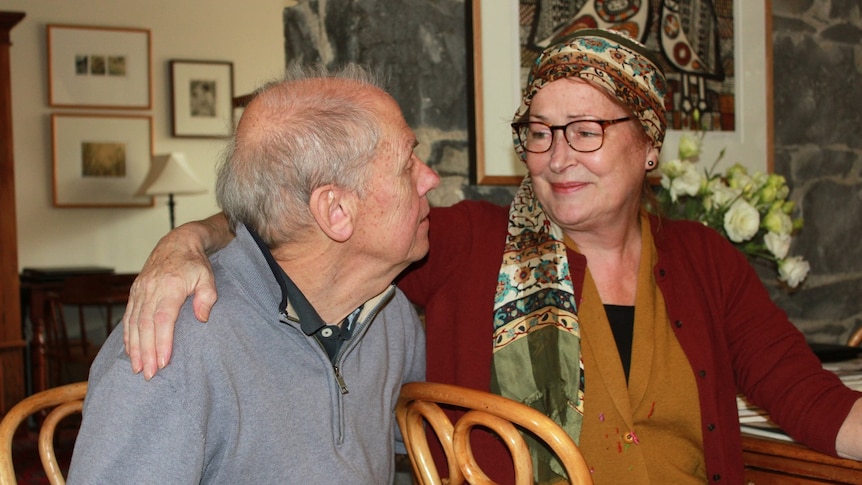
column 537, row 345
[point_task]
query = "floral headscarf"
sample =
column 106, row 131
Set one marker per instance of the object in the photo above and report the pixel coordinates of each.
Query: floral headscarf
column 612, row 60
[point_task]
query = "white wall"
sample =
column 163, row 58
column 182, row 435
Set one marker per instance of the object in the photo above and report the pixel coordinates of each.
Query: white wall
column 247, row 33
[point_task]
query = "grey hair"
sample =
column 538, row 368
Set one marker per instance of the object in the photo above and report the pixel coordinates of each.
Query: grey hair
column 312, row 128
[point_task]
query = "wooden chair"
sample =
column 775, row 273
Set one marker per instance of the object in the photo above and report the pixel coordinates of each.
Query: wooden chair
column 65, row 400
column 89, row 298
column 420, row 402
column 855, row 338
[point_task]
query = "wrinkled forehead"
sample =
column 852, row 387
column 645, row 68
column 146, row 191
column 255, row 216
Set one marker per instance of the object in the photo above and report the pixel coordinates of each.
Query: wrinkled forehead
column 397, row 132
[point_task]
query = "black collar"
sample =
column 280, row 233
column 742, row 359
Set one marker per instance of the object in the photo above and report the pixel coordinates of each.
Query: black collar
column 309, row 319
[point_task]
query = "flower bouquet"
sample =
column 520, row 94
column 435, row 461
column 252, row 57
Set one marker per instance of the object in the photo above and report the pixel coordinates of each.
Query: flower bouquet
column 751, row 210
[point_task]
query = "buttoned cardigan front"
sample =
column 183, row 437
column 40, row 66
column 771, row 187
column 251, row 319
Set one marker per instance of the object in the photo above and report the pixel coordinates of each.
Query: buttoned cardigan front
column 735, row 338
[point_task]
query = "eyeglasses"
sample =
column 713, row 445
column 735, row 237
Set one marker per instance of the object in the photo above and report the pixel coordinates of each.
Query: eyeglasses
column 582, row 135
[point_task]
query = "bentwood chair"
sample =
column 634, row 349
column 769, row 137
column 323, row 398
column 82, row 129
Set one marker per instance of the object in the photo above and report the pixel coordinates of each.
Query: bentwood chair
column 419, row 403
column 64, row 400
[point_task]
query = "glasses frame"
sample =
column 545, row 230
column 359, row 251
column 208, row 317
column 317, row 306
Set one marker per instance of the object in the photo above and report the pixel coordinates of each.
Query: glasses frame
column 604, row 124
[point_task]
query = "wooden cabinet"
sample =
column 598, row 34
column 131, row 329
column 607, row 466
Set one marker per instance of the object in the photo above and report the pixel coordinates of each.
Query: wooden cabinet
column 11, row 343
column 769, row 462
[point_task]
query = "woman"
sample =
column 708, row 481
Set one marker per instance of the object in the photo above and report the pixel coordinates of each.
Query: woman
column 632, row 332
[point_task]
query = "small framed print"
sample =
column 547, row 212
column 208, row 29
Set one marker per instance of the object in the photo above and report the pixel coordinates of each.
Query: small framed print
column 100, row 160
column 99, row 67
column 201, row 99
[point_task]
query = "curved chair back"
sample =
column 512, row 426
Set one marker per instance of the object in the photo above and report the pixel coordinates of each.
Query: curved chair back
column 65, row 400
column 72, row 336
column 419, row 403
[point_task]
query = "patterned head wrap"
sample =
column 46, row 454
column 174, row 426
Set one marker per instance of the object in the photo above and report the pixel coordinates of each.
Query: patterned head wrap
column 612, row 60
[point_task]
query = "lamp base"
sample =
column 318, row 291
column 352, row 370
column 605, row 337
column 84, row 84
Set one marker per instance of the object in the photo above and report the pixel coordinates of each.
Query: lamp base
column 171, row 208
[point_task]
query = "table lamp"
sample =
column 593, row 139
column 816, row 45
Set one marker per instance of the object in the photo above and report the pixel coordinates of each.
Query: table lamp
column 170, row 175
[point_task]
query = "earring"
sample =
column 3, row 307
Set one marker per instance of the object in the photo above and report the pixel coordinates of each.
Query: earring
column 650, row 163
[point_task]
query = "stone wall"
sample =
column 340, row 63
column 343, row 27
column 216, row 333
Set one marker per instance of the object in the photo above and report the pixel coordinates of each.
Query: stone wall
column 817, row 89
column 421, row 46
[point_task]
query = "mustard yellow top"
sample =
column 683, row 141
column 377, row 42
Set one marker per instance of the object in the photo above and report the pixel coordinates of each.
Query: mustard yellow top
column 648, row 431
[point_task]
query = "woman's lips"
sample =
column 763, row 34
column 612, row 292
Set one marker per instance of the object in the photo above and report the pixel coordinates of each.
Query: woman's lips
column 567, row 186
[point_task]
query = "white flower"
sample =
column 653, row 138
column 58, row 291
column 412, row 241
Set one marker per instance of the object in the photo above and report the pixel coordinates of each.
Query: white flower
column 759, row 180
column 774, row 188
column 793, row 270
column 778, row 222
column 750, row 208
column 743, row 182
column 768, row 194
column 741, row 221
column 777, row 244
column 720, row 195
column 689, row 146
column 688, row 183
column 670, row 170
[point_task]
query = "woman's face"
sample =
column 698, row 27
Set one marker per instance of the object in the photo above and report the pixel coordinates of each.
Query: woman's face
column 583, row 191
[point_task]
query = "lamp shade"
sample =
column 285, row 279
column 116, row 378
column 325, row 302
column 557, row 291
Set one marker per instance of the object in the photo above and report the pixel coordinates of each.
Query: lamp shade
column 170, row 175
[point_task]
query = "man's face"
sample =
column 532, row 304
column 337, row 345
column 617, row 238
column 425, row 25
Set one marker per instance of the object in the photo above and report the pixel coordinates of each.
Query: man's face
column 395, row 207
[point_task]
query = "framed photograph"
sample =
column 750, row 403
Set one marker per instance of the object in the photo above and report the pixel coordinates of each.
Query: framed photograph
column 201, row 98
column 99, row 67
column 742, row 128
column 100, row 160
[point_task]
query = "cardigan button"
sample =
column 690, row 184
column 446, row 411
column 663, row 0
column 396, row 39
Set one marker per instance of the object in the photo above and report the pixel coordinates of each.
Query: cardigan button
column 701, row 373
column 710, row 427
column 678, row 323
column 661, row 272
column 630, row 438
column 716, row 477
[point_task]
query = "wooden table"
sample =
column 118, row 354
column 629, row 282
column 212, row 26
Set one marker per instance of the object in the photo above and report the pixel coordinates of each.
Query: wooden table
column 769, row 461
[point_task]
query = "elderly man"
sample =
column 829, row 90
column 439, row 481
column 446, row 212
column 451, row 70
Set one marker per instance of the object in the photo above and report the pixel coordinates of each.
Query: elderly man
column 295, row 377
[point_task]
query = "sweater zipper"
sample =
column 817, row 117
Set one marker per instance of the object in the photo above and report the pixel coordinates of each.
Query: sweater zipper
column 358, row 333
column 342, row 387
column 339, row 379
column 336, row 370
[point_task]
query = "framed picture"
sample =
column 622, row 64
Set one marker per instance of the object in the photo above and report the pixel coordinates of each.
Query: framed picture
column 100, row 160
column 201, row 98
column 99, row 67
column 498, row 78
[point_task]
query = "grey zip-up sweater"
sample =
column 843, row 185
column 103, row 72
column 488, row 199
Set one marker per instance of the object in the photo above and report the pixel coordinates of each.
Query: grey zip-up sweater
column 248, row 398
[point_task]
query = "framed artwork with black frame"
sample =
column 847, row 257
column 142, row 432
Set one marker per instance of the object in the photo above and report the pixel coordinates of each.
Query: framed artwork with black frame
column 201, row 98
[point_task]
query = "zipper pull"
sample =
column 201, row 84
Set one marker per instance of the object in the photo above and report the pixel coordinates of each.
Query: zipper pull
column 340, row 379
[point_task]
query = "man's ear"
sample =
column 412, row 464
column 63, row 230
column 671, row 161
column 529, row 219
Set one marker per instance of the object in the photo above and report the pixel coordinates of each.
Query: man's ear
column 334, row 209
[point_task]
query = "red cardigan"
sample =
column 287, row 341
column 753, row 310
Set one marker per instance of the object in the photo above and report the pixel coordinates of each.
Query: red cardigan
column 733, row 335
